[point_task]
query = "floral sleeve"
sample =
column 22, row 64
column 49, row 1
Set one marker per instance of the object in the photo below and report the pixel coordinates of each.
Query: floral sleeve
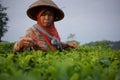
column 38, row 41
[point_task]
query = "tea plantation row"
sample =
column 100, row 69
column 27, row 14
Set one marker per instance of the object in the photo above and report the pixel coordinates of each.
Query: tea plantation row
column 84, row 63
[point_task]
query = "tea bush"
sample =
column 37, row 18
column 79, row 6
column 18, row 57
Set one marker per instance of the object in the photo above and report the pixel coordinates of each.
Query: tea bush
column 84, row 63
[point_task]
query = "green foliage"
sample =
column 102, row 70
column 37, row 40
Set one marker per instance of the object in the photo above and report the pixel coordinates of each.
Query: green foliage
column 84, row 63
column 6, row 47
column 105, row 43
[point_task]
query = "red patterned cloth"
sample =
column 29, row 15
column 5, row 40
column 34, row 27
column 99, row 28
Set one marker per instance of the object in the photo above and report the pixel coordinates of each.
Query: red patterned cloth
column 40, row 40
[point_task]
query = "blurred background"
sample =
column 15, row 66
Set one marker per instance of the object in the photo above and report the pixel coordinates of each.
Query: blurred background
column 84, row 21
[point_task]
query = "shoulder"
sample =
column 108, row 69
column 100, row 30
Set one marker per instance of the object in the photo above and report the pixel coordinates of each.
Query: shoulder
column 31, row 29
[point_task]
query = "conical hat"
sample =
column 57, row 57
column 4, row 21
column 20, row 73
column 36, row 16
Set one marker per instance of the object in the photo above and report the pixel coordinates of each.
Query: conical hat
column 33, row 9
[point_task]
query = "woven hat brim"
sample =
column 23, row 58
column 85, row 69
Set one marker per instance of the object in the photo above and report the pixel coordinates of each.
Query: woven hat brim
column 33, row 11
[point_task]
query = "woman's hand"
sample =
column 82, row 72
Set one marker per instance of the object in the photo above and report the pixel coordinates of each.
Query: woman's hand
column 22, row 43
column 25, row 42
column 72, row 44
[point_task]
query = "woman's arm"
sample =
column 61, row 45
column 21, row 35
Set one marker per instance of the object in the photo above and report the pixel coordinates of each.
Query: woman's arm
column 69, row 45
column 23, row 42
column 64, row 45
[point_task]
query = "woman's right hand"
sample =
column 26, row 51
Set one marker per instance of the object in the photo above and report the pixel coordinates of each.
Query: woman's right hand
column 25, row 42
column 22, row 43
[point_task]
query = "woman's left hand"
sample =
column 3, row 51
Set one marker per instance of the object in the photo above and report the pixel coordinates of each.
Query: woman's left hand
column 73, row 45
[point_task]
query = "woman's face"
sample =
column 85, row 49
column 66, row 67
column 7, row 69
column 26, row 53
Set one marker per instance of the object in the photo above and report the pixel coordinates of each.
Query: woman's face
column 46, row 18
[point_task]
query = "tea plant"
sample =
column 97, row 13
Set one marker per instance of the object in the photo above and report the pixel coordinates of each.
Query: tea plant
column 84, row 63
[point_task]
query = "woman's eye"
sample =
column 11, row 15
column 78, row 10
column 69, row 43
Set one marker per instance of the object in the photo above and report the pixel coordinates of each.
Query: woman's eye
column 43, row 14
column 47, row 13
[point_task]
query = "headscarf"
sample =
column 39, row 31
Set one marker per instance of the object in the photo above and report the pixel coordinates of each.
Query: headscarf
column 51, row 30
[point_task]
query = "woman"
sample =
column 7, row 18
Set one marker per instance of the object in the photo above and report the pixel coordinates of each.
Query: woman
column 43, row 35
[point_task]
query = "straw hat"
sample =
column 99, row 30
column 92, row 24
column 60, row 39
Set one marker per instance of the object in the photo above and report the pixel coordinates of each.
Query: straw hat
column 33, row 9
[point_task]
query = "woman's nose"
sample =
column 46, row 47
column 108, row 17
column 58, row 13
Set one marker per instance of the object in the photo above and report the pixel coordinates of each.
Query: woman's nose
column 46, row 16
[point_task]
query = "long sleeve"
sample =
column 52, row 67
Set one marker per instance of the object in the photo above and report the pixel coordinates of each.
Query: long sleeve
column 18, row 46
column 65, row 45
